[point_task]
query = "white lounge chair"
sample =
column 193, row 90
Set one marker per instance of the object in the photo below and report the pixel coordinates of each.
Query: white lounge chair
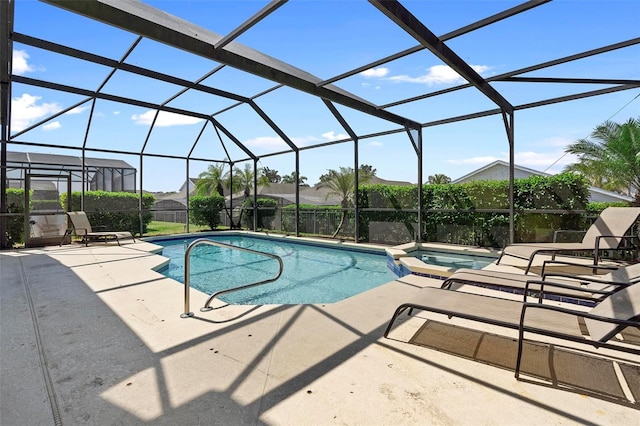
column 583, row 286
column 608, row 232
column 613, row 314
column 82, row 227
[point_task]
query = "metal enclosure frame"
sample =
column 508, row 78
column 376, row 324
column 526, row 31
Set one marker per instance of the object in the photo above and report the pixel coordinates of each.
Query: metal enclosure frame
column 146, row 22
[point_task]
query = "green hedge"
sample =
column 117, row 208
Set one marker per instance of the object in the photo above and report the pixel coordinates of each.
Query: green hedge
column 205, row 210
column 451, row 209
column 15, row 225
column 266, row 212
column 115, row 211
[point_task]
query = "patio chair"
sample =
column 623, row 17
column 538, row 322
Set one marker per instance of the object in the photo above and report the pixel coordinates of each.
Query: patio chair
column 613, row 314
column 591, row 287
column 82, row 227
column 608, row 232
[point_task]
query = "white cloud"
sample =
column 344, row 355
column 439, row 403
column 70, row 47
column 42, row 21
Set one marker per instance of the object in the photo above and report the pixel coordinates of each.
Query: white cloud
column 26, row 110
column 77, row 110
column 20, row 62
column 51, row 126
column 165, row 119
column 375, row 72
column 437, row 74
column 333, row 136
column 269, row 142
column 306, row 140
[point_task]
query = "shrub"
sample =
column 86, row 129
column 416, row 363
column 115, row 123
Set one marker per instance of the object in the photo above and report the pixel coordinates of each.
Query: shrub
column 266, row 212
column 115, row 211
column 15, row 224
column 450, row 210
column 205, row 210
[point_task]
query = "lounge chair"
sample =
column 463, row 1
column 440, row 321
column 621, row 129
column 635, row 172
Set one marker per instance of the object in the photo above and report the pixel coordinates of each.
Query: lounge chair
column 608, row 232
column 82, row 227
column 614, row 313
column 588, row 287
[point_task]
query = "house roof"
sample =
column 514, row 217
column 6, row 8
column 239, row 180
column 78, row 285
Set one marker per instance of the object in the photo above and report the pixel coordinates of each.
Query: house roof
column 498, row 163
column 64, row 160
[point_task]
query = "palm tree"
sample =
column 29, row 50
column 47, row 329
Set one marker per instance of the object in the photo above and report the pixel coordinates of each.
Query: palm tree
column 342, row 184
column 291, row 178
column 611, row 160
column 243, row 179
column 214, row 178
column 439, row 178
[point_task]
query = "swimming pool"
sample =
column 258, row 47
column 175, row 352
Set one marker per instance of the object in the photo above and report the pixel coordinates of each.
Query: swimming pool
column 312, row 273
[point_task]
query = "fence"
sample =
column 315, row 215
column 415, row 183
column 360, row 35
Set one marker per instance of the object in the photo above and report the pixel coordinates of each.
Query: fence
column 464, row 227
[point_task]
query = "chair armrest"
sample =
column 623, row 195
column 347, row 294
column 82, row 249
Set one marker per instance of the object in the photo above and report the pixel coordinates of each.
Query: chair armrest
column 581, row 314
column 589, row 279
column 543, row 283
column 565, row 231
column 567, row 263
column 621, row 237
column 80, row 231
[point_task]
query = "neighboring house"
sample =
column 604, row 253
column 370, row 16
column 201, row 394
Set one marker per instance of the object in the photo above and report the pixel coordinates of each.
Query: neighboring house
column 168, row 205
column 499, row 170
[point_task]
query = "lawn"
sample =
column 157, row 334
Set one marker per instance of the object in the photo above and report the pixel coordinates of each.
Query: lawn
column 169, row 228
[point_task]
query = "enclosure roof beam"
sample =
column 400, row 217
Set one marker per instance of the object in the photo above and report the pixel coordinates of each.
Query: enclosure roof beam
column 412, row 25
column 101, row 60
column 460, row 31
column 140, row 18
column 586, row 54
column 260, row 15
column 100, row 95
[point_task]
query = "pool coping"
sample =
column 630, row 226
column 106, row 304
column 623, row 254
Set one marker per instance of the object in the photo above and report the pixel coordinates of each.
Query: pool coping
column 401, row 261
column 338, row 244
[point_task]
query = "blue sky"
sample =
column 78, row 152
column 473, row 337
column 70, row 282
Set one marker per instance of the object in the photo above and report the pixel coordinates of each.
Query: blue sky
column 327, row 38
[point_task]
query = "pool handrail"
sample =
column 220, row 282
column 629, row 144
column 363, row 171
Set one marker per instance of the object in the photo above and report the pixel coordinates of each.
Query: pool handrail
column 187, row 313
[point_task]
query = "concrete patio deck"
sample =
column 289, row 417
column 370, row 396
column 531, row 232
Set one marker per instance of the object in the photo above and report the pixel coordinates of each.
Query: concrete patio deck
column 92, row 335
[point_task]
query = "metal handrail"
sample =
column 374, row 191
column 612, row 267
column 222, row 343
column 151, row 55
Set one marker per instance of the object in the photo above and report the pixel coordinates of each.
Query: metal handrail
column 187, row 313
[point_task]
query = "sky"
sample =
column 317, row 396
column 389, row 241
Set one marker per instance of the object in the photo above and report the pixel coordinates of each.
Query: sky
column 326, row 39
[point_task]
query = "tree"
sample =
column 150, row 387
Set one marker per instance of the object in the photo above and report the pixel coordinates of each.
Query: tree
column 438, row 178
column 243, row 179
column 214, row 178
column 342, row 184
column 271, row 175
column 611, row 159
column 291, row 178
column 368, row 170
column 365, row 170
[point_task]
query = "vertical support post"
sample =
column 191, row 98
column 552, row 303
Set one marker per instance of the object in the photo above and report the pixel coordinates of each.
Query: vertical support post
column 6, row 53
column 141, row 192
column 356, row 187
column 297, row 212
column 420, row 189
column 508, row 122
column 255, row 194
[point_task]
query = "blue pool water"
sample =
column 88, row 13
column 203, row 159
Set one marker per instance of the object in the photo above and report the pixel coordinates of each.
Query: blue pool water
column 312, row 274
